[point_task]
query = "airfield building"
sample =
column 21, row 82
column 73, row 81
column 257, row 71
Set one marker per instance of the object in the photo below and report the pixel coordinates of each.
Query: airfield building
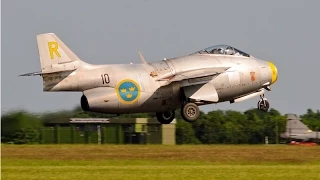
column 109, row 130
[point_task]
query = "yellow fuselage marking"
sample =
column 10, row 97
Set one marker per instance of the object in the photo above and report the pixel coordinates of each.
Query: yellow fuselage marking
column 274, row 72
column 53, row 48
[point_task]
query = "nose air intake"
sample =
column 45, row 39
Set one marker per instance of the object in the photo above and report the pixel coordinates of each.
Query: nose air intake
column 274, row 72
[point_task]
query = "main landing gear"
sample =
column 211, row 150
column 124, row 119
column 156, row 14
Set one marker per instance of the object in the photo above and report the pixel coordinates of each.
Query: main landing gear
column 189, row 111
column 165, row 117
column 263, row 104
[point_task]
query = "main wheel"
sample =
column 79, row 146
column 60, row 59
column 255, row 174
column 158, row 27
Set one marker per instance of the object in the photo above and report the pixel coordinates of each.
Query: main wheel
column 165, row 117
column 190, row 112
column 263, row 105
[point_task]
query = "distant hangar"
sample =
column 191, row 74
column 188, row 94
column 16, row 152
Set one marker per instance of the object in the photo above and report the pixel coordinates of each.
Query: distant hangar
column 108, row 131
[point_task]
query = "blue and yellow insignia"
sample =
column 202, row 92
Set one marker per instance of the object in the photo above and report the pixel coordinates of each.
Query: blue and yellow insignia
column 128, row 91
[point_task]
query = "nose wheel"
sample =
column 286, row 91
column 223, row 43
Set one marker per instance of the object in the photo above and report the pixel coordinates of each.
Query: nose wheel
column 263, row 104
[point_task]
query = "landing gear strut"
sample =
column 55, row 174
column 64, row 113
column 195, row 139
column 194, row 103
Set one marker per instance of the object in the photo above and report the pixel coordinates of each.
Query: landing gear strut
column 165, row 117
column 190, row 112
column 263, row 104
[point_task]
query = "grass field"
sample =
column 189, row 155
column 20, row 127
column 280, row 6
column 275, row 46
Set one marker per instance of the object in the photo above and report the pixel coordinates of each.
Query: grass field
column 160, row 162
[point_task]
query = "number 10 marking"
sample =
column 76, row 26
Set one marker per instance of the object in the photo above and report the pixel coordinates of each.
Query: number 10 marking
column 105, row 78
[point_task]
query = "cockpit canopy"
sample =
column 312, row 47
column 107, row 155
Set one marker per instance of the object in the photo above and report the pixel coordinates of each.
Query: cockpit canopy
column 222, row 49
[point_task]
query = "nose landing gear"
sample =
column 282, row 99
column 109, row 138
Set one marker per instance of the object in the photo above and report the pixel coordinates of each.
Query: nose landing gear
column 263, row 104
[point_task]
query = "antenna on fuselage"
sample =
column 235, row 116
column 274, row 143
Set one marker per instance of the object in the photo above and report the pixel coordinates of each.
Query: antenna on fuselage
column 143, row 61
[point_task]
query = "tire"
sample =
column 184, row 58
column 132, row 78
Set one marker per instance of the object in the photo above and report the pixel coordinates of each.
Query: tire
column 190, row 112
column 263, row 107
column 165, row 117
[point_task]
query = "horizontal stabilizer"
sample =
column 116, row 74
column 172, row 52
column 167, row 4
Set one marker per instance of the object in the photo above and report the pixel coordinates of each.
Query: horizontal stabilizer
column 44, row 73
column 32, row 74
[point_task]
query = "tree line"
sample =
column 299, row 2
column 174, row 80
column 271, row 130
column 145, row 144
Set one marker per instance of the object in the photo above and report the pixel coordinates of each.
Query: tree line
column 218, row 126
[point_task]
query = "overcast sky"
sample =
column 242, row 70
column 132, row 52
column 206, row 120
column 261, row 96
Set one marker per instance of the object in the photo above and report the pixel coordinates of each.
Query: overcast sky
column 105, row 32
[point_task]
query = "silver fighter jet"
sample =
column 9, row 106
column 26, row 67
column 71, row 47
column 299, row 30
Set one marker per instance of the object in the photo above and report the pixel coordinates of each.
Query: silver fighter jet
column 212, row 75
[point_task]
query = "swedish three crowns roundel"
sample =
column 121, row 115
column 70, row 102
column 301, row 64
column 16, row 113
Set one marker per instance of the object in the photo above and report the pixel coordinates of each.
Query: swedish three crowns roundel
column 128, row 91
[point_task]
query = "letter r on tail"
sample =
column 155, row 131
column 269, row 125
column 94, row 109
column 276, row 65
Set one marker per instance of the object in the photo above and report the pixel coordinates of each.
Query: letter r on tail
column 53, row 48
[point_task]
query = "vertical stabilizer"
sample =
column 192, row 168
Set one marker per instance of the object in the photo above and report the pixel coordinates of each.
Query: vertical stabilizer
column 294, row 124
column 54, row 55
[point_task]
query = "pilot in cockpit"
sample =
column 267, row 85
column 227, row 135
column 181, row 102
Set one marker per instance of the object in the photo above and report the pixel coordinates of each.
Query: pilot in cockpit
column 224, row 50
column 217, row 51
column 229, row 51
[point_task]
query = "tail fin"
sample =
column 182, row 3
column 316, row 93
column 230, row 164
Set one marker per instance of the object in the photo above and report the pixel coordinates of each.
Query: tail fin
column 54, row 55
column 294, row 125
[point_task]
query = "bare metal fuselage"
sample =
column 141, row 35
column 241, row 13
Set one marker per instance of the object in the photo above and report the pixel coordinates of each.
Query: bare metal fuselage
column 100, row 83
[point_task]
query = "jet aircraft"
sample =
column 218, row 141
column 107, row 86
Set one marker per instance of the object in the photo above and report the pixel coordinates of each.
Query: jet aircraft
column 216, row 74
column 296, row 130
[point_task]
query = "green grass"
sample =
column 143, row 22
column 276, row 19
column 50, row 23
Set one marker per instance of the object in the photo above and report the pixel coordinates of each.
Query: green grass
column 160, row 162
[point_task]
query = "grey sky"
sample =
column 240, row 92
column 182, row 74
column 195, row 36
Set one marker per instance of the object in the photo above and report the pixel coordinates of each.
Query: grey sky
column 99, row 32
